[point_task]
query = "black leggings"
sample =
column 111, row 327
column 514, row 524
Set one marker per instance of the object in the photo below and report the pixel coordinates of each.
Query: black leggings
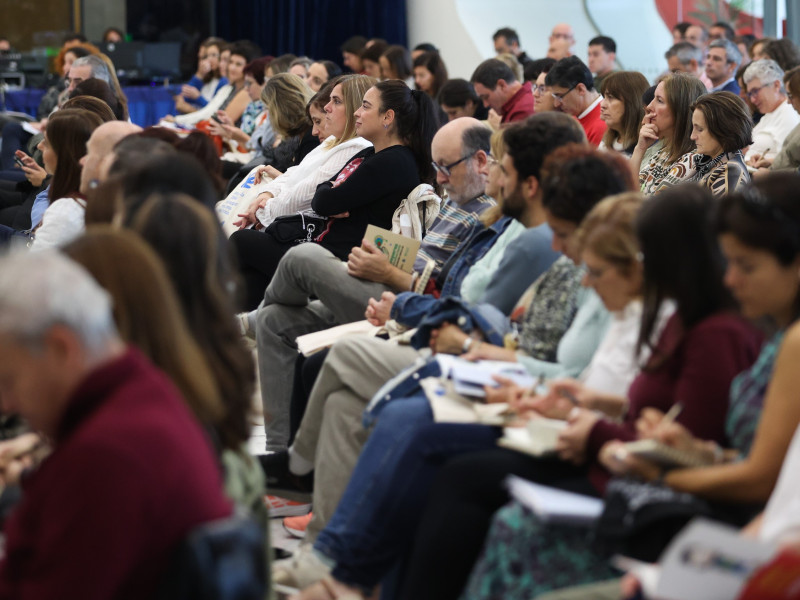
column 259, row 254
column 468, row 491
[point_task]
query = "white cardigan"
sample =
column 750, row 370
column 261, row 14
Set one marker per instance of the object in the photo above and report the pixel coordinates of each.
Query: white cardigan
column 294, row 190
column 62, row 222
column 205, row 113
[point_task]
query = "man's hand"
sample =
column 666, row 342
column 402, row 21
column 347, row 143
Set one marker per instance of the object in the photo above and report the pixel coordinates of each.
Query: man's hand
column 367, row 262
column 379, row 311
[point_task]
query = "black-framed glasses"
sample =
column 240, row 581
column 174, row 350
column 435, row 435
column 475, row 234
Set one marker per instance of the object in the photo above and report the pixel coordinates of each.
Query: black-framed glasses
column 446, row 169
column 560, row 97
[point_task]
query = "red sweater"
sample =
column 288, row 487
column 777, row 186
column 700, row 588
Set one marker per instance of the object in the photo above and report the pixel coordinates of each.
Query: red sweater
column 594, row 127
column 132, row 472
column 519, row 106
column 698, row 374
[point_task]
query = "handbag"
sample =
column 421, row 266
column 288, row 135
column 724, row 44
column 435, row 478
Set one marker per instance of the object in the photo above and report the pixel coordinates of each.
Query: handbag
column 299, row 228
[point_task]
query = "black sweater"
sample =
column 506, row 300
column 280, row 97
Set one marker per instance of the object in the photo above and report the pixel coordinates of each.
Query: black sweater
column 370, row 194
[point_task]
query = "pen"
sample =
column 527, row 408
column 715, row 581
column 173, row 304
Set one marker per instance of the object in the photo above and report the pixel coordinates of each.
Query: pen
column 672, row 414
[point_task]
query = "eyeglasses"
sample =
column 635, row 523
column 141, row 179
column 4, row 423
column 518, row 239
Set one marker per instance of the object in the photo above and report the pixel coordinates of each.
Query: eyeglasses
column 754, row 92
column 446, row 169
column 560, row 97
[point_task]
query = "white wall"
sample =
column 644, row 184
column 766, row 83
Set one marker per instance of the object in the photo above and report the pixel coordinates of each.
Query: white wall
column 462, row 29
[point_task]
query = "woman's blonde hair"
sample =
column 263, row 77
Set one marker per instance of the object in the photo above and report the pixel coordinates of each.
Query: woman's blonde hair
column 609, row 232
column 498, row 149
column 353, row 89
column 285, row 95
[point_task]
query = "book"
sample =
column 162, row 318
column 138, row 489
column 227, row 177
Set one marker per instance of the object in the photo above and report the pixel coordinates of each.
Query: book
column 706, row 560
column 667, row 456
column 401, row 250
column 448, row 406
column 311, row 343
column 470, row 377
column 537, row 438
column 553, row 505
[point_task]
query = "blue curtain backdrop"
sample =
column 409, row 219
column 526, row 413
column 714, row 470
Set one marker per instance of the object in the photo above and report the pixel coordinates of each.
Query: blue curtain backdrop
column 315, row 28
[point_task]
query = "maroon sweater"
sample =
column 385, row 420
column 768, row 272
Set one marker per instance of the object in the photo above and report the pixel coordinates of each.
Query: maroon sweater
column 519, row 106
column 132, row 472
column 698, row 372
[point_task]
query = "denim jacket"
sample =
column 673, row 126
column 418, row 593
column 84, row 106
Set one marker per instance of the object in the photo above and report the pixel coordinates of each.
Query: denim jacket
column 410, row 308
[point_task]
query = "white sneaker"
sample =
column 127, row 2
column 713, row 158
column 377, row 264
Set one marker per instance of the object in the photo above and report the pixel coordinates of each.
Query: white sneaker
column 302, row 569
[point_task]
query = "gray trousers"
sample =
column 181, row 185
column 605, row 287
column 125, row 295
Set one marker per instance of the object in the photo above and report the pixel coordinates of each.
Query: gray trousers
column 331, row 432
column 306, row 271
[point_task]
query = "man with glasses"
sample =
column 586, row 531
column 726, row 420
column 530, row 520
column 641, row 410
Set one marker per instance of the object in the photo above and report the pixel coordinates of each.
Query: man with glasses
column 572, row 88
column 341, row 291
column 498, row 89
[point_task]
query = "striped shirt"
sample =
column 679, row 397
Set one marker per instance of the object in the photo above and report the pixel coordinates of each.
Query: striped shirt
column 454, row 224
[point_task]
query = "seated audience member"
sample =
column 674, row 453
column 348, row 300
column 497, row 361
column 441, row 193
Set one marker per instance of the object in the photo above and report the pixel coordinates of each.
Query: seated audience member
column 757, row 48
column 281, row 64
column 682, row 368
column 457, row 99
column 113, row 35
column 789, row 156
column 534, row 68
column 685, row 57
column 744, row 95
column 396, row 64
column 338, row 399
column 498, row 89
column 99, row 145
column 543, row 100
column 679, row 32
column 721, row 127
column 351, row 53
column 371, row 59
column 343, row 294
column 63, row 147
column 506, row 41
column 764, row 83
column 721, row 31
column 722, row 63
column 293, row 190
column 97, row 88
column 511, row 61
column 240, row 54
column 255, row 130
column 207, row 81
column 784, row 52
column 668, row 123
column 572, row 88
column 743, row 43
column 563, row 35
column 602, row 54
column 400, row 124
column 70, row 375
column 320, row 72
column 622, row 110
column 423, row 47
column 399, row 457
column 285, row 97
column 430, row 73
column 299, row 67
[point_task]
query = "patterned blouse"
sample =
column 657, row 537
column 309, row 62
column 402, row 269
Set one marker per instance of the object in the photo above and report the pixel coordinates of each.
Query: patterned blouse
column 653, row 173
column 722, row 175
column 249, row 116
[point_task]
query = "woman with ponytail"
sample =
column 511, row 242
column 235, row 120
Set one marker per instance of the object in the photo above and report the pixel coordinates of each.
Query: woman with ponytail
column 400, row 123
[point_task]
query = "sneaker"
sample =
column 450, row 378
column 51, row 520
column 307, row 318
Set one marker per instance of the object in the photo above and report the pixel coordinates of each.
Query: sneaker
column 303, row 569
column 296, row 526
column 280, row 478
column 283, row 507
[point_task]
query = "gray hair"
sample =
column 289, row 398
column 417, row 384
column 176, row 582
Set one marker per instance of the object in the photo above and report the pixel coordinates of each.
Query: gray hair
column 766, row 69
column 474, row 139
column 685, row 53
column 45, row 288
column 732, row 54
column 98, row 66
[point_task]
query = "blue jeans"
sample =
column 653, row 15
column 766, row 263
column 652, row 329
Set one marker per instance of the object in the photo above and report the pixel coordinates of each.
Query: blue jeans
column 378, row 513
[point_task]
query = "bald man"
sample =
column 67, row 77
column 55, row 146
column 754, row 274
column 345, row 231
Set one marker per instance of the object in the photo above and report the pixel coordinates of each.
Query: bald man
column 99, row 146
column 562, row 39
